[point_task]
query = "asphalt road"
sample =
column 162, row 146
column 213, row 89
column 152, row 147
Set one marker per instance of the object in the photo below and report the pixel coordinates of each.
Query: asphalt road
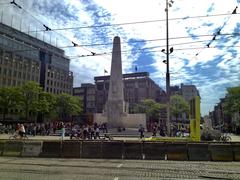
column 12, row 168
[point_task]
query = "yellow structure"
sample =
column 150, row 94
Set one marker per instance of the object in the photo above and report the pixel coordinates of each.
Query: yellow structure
column 194, row 116
column 195, row 119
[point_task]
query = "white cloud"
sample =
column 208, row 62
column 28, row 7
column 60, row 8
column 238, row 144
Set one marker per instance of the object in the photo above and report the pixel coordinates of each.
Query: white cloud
column 123, row 11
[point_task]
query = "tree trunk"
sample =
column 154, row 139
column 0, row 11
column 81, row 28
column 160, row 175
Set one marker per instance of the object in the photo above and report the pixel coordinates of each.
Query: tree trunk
column 26, row 113
column 4, row 113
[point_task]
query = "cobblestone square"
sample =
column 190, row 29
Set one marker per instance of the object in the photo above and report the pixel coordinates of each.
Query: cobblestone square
column 13, row 168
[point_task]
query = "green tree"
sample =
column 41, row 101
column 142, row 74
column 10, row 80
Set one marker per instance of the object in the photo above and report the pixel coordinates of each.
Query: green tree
column 30, row 92
column 46, row 106
column 150, row 107
column 178, row 106
column 9, row 99
column 67, row 105
column 232, row 103
column 232, row 100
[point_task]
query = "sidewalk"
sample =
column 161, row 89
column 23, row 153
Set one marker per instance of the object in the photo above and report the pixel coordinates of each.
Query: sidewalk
column 125, row 135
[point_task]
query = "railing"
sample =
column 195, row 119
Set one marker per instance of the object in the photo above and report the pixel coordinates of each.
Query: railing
column 192, row 151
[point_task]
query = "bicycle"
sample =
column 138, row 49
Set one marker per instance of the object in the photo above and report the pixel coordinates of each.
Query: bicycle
column 16, row 136
column 225, row 138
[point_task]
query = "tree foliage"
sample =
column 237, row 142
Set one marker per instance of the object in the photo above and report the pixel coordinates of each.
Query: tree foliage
column 29, row 98
column 150, row 107
column 232, row 100
column 178, row 105
column 9, row 99
column 231, row 104
column 32, row 100
column 67, row 105
column 47, row 105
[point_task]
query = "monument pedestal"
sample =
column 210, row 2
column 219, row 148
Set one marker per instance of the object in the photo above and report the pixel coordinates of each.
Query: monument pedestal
column 128, row 120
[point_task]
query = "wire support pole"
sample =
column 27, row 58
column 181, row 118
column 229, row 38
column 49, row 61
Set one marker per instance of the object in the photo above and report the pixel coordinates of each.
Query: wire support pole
column 167, row 72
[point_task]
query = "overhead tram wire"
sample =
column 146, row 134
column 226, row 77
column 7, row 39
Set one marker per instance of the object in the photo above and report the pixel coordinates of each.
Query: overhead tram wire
column 1, row 4
column 6, row 2
column 178, row 49
column 131, row 23
column 218, row 33
column 151, row 40
column 92, row 54
column 153, row 47
column 47, row 28
column 146, row 48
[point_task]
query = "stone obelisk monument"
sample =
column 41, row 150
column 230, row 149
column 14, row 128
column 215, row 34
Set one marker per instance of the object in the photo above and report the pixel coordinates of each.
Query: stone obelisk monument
column 115, row 105
column 115, row 112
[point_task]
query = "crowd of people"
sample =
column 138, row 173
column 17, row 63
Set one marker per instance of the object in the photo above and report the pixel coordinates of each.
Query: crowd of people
column 155, row 128
column 83, row 131
column 88, row 131
column 72, row 129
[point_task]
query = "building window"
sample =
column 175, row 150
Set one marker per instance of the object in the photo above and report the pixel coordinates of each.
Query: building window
column 19, row 74
column 5, row 72
column 9, row 72
column 4, row 81
column 15, row 74
column 9, row 82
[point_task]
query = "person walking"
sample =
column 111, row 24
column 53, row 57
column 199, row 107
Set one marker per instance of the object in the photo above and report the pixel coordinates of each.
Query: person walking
column 154, row 131
column 141, row 130
column 62, row 130
column 97, row 133
column 22, row 131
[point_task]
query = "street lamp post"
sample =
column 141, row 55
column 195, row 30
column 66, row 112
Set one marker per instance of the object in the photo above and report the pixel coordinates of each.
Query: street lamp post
column 168, row 4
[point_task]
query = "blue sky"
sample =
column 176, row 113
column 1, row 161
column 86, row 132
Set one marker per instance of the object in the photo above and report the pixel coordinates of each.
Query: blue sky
column 190, row 30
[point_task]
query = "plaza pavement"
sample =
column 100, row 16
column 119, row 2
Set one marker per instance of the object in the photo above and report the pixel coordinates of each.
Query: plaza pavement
column 234, row 138
column 12, row 168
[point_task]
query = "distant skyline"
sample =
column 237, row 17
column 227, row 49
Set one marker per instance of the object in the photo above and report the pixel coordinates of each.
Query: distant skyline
column 205, row 36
